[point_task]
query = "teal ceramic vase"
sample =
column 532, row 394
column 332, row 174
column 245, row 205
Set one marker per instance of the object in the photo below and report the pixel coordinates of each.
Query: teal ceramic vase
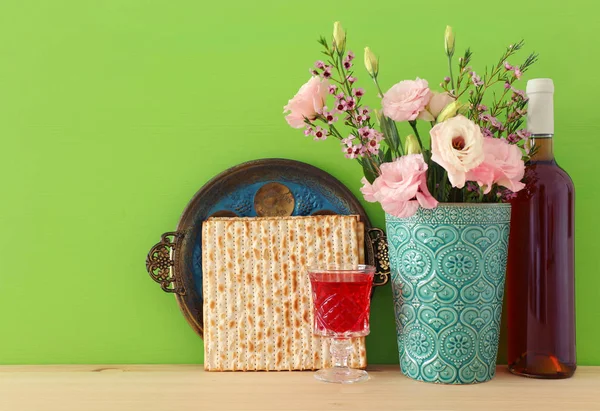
column 448, row 270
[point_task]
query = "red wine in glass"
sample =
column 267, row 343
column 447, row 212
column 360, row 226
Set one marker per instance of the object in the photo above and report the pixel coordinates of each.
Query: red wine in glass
column 341, row 300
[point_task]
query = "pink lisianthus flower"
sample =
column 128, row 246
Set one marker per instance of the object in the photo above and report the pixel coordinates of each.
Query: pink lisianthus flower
column 402, row 186
column 502, row 165
column 307, row 102
column 406, row 100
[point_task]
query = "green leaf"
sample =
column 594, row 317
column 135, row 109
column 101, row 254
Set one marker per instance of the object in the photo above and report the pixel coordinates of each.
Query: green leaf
column 390, row 133
column 370, row 174
column 388, row 156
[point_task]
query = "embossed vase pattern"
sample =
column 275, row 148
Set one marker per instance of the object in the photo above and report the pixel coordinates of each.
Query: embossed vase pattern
column 448, row 270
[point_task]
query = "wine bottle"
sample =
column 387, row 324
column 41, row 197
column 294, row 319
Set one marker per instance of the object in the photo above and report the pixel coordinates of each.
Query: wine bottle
column 541, row 263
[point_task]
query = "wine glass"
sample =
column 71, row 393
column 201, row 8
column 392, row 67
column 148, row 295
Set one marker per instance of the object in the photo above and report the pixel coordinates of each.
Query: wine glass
column 342, row 299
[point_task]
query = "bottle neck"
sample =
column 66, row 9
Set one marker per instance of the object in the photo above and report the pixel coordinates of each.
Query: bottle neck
column 542, row 146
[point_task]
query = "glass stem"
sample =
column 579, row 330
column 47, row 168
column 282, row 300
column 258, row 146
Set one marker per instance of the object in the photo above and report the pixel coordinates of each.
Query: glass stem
column 340, row 349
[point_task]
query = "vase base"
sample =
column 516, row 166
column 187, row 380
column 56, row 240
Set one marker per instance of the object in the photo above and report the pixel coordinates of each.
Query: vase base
column 453, row 382
column 339, row 375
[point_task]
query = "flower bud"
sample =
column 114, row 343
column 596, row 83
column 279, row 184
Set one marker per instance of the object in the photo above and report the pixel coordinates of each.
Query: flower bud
column 411, row 145
column 339, row 37
column 379, row 117
column 451, row 110
column 449, row 41
column 371, row 62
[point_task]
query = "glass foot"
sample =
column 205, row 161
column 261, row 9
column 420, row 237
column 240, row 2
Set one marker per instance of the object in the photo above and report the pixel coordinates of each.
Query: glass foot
column 341, row 375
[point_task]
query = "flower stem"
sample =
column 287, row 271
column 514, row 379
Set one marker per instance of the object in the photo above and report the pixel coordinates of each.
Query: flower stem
column 378, row 87
column 450, row 70
column 335, row 132
column 413, row 124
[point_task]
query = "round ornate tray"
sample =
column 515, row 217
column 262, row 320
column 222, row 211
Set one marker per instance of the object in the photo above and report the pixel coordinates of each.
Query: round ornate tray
column 268, row 187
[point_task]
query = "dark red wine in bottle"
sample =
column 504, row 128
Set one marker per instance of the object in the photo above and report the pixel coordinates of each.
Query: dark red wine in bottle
column 541, row 264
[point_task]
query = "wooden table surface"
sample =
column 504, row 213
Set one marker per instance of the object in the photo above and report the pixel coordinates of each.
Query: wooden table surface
column 188, row 387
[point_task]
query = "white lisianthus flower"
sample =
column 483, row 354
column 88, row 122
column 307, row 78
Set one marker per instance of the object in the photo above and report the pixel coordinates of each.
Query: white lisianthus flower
column 457, row 145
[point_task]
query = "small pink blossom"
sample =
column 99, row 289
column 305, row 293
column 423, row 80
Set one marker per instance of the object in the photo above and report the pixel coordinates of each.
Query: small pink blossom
column 518, row 94
column 365, row 110
column 402, row 186
column 329, row 116
column 482, row 107
column 319, row 64
column 351, row 103
column 507, row 85
column 347, row 64
column 523, row 133
column 307, row 102
column 358, row 92
column 341, row 106
column 359, row 119
column 314, row 73
column 496, row 123
column 518, row 72
column 327, row 72
column 486, row 132
column 348, row 141
column 476, row 79
column 332, row 88
column 373, row 146
column 485, row 118
column 507, row 66
column 447, row 79
column 320, row 134
column 355, row 151
column 513, row 138
column 366, row 133
column 308, row 131
column 506, row 195
column 502, row 165
column 406, row 100
column 350, row 56
column 351, row 79
column 472, row 187
column 350, row 152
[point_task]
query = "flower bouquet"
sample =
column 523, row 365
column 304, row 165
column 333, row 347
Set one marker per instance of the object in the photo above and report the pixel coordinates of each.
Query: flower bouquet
column 446, row 197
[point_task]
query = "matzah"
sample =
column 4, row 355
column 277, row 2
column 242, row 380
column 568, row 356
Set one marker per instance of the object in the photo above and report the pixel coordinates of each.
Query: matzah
column 258, row 311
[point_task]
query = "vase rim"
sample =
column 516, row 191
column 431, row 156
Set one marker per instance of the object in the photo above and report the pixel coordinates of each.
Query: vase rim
column 473, row 205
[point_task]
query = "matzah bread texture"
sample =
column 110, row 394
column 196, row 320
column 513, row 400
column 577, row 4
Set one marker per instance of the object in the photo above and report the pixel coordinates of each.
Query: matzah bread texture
column 257, row 299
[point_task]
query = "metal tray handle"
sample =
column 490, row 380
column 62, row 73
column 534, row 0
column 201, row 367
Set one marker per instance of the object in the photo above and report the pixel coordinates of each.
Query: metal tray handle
column 377, row 253
column 160, row 263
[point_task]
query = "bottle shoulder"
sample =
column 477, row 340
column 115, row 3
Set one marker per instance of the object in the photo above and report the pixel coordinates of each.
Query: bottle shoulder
column 548, row 177
column 549, row 171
